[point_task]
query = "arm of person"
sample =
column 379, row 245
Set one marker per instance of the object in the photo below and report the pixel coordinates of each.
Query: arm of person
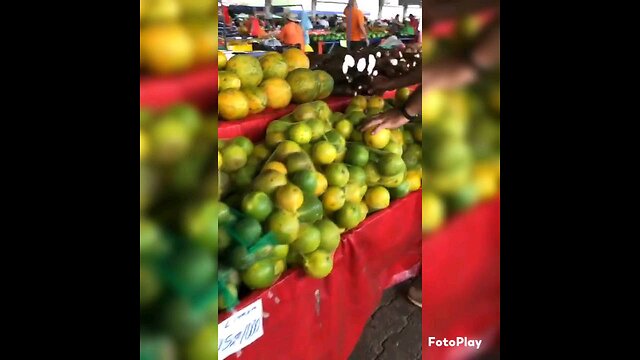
column 395, row 118
column 453, row 73
column 382, row 83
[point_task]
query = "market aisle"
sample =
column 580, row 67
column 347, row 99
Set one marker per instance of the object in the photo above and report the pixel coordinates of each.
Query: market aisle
column 393, row 331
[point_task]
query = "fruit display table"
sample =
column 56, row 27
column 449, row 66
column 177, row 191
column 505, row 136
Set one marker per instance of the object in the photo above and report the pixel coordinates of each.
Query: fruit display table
column 463, row 288
column 311, row 319
column 255, row 126
column 195, row 87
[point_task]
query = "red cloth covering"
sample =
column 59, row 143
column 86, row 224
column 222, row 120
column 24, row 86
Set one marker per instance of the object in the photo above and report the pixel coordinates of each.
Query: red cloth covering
column 196, row 87
column 461, row 283
column 322, row 319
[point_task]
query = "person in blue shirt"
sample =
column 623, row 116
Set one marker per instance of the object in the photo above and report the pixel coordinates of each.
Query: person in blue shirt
column 306, row 26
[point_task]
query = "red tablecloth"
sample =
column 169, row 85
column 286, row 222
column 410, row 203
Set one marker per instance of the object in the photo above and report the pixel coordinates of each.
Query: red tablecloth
column 311, row 319
column 461, row 283
column 197, row 87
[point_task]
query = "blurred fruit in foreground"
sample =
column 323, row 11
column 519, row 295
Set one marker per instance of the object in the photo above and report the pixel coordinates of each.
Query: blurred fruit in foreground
column 204, row 345
column 166, row 48
column 433, row 212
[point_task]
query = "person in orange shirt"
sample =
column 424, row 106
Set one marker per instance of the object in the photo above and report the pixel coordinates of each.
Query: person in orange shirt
column 292, row 33
column 357, row 36
column 254, row 27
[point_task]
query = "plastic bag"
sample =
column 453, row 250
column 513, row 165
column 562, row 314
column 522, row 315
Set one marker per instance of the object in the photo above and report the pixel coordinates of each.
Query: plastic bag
column 227, row 288
column 391, row 42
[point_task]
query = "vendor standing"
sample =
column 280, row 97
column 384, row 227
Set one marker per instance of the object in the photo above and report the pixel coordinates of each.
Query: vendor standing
column 255, row 28
column 357, row 36
column 292, row 33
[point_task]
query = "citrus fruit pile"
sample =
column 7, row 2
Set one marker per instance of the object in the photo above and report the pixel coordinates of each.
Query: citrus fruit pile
column 249, row 85
column 462, row 130
column 176, row 35
column 462, row 151
column 178, row 234
column 312, row 178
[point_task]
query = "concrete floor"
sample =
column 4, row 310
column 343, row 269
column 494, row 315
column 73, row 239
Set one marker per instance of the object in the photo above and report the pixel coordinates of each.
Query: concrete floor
column 394, row 331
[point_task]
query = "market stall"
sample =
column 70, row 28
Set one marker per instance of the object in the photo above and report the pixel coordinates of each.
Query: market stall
column 373, row 253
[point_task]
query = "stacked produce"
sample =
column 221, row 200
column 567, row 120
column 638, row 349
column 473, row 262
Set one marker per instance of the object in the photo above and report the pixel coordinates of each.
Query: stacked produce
column 462, row 132
column 288, row 199
column 249, row 85
column 329, row 37
column 178, row 235
column 176, row 35
column 355, row 71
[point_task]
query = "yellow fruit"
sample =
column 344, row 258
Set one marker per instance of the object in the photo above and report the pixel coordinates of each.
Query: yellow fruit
column 268, row 181
column 353, row 193
column 228, row 80
column 433, row 105
column 295, row 59
column 166, row 48
column 344, row 127
column 414, row 177
column 233, row 104
column 222, row 60
column 257, row 98
column 233, row 158
column 300, row 133
column 333, row 199
column 433, row 212
column 204, row 42
column 305, row 112
column 379, row 140
column 375, row 103
column 486, row 180
column 285, row 148
column 377, row 198
column 274, row 138
column 162, row 11
column 274, row 66
column 397, row 137
column 326, row 83
column 322, row 184
column 284, row 225
column 360, row 102
column 247, row 68
column 220, row 161
column 144, row 145
column 278, row 93
column 289, row 197
column 304, row 85
column 323, row 152
column 261, row 152
column 277, row 166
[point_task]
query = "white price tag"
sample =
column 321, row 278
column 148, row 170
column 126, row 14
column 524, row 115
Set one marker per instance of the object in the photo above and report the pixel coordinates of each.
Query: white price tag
column 240, row 330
